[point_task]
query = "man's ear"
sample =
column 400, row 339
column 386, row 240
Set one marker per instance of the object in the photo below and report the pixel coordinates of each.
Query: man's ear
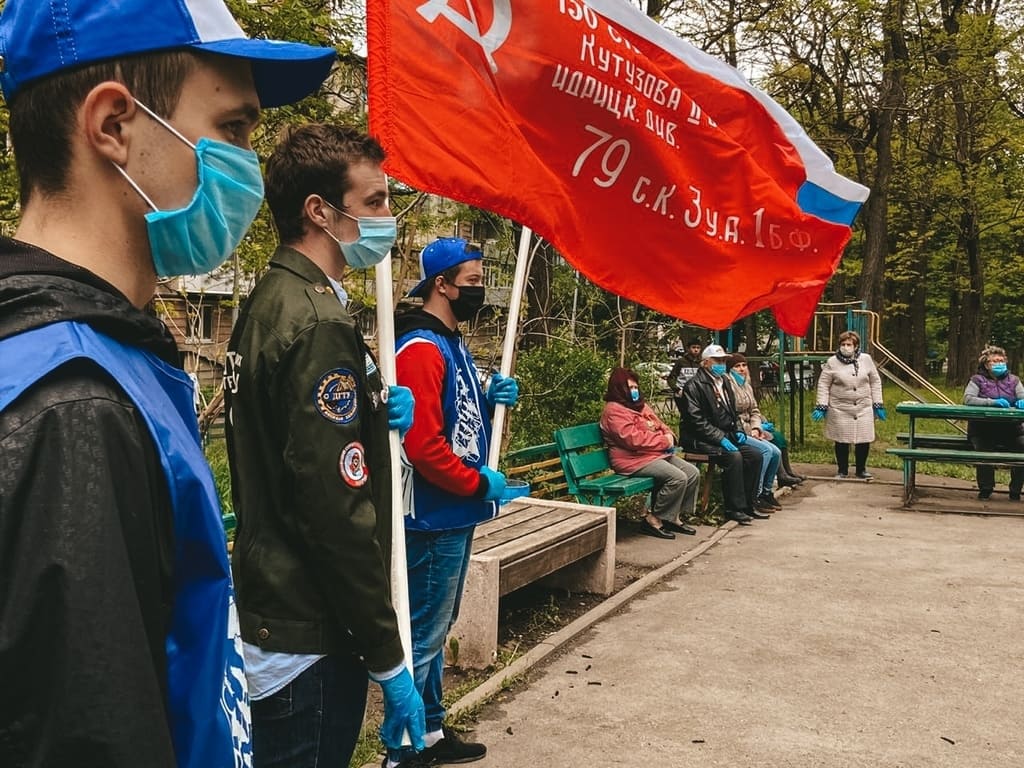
column 313, row 208
column 106, row 117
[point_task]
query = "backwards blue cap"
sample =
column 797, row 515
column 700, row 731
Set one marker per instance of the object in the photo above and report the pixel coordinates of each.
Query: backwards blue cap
column 443, row 254
column 43, row 37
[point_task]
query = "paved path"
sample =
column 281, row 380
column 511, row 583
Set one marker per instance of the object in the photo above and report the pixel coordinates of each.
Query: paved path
column 842, row 633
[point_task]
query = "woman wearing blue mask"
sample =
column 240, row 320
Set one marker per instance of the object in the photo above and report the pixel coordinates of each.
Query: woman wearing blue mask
column 641, row 444
column 849, row 401
column 994, row 386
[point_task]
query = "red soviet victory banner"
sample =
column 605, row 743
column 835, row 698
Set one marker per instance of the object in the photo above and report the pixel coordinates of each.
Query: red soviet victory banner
column 650, row 173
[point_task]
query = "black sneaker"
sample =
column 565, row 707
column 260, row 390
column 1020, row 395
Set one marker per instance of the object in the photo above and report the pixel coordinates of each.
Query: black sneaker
column 412, row 761
column 985, row 493
column 452, row 749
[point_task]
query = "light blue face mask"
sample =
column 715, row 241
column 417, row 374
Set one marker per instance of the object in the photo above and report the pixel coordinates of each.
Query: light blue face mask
column 999, row 369
column 634, row 394
column 201, row 236
column 377, row 234
column 739, row 377
column 718, row 369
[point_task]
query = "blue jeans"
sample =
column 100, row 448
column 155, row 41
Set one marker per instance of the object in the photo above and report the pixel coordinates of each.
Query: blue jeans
column 315, row 720
column 438, row 562
column 770, row 458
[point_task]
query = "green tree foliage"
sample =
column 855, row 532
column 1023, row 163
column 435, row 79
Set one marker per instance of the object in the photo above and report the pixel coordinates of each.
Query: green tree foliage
column 560, row 384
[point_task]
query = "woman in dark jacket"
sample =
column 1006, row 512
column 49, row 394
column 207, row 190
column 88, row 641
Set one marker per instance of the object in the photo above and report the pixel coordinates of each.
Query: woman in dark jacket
column 994, row 386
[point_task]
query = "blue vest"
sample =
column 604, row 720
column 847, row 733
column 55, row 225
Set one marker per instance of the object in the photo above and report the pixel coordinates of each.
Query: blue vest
column 467, row 426
column 208, row 704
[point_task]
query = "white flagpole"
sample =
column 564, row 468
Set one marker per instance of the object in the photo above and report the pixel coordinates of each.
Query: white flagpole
column 386, row 359
column 515, row 301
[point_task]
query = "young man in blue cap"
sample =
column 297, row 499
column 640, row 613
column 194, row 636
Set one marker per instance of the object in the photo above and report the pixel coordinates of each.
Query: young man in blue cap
column 307, row 431
column 453, row 489
column 131, row 126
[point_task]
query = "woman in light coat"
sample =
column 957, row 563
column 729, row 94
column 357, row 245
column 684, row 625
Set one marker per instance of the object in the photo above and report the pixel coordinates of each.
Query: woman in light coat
column 849, row 399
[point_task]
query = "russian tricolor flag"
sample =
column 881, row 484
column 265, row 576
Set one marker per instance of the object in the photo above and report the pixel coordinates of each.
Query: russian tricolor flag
column 656, row 170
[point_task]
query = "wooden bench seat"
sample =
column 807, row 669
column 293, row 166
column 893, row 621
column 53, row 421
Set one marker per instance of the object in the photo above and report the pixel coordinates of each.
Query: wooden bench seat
column 911, row 456
column 565, row 544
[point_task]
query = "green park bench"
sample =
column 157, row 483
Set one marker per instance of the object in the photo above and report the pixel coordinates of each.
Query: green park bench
column 954, row 442
column 910, row 457
column 589, row 475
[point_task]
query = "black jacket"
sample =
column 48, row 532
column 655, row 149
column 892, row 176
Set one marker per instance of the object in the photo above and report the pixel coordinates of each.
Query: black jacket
column 86, row 539
column 707, row 417
column 307, row 434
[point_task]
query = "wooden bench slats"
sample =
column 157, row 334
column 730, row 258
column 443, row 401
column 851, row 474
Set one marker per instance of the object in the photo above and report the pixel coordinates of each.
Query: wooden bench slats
column 547, row 560
column 524, row 524
column 516, row 544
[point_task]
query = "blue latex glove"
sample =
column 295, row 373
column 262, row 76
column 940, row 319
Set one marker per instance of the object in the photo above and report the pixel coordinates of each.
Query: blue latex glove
column 880, row 413
column 1020, row 403
column 817, row 415
column 403, row 711
column 741, row 438
column 400, row 408
column 767, row 426
column 728, row 445
column 495, row 484
column 504, row 390
column 1001, row 402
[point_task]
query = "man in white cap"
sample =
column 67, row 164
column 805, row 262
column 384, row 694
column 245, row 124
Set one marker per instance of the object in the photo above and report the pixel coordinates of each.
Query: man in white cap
column 710, row 425
column 131, row 125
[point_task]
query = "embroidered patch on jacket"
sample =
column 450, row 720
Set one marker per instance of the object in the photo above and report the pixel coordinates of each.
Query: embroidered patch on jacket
column 352, row 465
column 371, row 367
column 336, row 396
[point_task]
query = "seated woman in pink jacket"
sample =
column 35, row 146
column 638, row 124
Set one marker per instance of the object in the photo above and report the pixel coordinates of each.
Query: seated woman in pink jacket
column 640, row 444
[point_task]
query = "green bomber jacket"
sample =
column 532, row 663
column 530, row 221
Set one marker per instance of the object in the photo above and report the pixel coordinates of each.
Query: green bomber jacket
column 307, row 435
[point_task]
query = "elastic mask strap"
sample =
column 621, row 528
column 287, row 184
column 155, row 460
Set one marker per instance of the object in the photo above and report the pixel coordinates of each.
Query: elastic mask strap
column 338, row 210
column 135, row 186
column 162, row 122
column 170, row 128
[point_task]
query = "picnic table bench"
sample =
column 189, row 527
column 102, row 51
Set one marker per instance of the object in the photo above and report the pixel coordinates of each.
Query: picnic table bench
column 953, row 449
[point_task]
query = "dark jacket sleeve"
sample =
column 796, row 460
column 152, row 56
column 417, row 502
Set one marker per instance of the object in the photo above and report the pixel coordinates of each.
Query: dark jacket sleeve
column 697, row 421
column 85, row 551
column 346, row 535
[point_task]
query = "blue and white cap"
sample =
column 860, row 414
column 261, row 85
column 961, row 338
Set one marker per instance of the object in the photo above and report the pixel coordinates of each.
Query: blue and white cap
column 43, row 37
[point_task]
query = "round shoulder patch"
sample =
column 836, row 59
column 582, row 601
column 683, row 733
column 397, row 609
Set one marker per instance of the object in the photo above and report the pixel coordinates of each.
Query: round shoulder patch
column 352, row 465
column 336, row 396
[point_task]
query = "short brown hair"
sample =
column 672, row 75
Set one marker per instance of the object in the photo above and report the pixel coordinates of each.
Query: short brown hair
column 313, row 159
column 848, row 335
column 43, row 114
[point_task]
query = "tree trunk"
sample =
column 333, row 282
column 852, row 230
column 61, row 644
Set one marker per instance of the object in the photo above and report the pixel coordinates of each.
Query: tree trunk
column 892, row 99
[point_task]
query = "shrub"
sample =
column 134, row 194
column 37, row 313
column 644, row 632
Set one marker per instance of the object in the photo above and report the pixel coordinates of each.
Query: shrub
column 560, row 385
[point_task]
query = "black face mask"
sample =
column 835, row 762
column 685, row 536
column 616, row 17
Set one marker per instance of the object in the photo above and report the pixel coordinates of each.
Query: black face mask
column 470, row 301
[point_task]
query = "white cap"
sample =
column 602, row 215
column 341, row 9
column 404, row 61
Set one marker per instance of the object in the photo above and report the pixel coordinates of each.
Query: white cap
column 713, row 350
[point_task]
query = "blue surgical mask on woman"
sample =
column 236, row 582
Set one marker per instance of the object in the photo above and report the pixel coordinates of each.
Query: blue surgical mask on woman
column 377, row 234
column 718, row 369
column 201, row 236
column 999, row 369
column 739, row 377
column 634, row 394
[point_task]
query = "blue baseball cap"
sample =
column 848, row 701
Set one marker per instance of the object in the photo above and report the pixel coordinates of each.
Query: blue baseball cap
column 444, row 253
column 39, row 38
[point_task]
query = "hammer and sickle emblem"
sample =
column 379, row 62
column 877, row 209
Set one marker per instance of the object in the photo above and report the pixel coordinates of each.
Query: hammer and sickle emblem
column 489, row 40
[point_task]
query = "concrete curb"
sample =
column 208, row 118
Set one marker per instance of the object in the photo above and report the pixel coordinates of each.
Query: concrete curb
column 541, row 651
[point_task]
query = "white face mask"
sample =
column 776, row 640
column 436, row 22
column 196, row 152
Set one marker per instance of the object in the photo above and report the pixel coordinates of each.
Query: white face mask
column 847, row 349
